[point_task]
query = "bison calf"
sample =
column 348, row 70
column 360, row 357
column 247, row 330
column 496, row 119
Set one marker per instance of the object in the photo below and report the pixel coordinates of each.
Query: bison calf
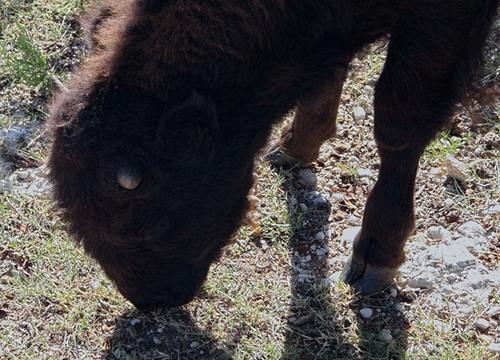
column 156, row 133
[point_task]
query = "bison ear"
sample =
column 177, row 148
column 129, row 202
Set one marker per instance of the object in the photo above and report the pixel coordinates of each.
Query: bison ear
column 195, row 121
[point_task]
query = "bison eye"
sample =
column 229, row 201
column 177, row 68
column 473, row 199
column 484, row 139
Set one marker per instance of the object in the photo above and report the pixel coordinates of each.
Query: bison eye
column 128, row 178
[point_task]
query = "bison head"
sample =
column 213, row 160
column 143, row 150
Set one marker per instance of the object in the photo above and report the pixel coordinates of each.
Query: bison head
column 152, row 190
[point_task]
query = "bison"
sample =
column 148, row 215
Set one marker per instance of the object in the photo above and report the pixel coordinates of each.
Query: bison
column 155, row 134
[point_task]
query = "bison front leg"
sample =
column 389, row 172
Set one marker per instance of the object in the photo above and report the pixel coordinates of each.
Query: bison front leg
column 388, row 221
column 314, row 123
column 415, row 97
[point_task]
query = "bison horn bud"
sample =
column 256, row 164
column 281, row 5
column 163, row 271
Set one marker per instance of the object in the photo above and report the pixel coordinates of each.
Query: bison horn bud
column 128, row 178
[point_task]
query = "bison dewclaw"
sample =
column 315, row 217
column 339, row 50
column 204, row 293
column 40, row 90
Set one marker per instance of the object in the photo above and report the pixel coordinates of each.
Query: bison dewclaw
column 156, row 132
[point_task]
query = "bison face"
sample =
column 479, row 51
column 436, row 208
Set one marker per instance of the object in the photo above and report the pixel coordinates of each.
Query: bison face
column 153, row 192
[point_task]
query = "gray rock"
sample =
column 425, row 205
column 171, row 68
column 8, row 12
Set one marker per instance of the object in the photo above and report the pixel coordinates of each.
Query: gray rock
column 366, row 313
column 438, row 233
column 359, row 113
column 482, row 324
column 365, row 173
column 385, row 335
column 456, row 169
column 472, row 229
column 306, row 178
column 453, row 256
column 494, row 348
column 349, row 234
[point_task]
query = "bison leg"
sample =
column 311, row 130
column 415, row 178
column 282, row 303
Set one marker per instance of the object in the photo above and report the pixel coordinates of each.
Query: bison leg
column 414, row 98
column 313, row 124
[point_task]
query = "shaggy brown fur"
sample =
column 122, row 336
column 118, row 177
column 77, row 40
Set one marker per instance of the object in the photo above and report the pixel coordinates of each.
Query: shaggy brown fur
column 154, row 138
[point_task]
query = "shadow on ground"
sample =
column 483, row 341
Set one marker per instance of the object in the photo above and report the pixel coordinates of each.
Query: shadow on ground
column 320, row 328
column 162, row 334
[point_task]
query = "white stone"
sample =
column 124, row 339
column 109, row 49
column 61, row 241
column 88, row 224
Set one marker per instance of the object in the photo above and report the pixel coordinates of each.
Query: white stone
column 306, row 177
column 349, row 234
column 134, row 321
column 438, row 233
column 456, row 169
column 365, row 173
column 359, row 113
column 366, row 313
column 495, row 348
column 385, row 335
column 493, row 210
column 472, row 229
column 482, row 324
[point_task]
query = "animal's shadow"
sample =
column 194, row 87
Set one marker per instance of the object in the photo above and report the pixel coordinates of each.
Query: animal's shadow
column 161, row 334
column 318, row 327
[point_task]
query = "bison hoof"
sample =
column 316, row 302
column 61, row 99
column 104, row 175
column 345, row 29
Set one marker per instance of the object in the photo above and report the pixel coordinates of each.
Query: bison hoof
column 279, row 159
column 367, row 279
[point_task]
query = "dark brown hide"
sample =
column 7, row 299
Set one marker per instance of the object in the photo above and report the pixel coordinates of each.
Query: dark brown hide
column 177, row 97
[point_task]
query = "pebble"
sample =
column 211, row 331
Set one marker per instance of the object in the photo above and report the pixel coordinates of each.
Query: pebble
column 320, row 235
column 385, row 335
column 493, row 311
column 353, row 220
column 438, row 233
column 366, row 313
column 349, row 234
column 359, row 113
column 306, row 178
column 456, row 169
column 338, row 196
column 472, row 229
column 493, row 210
column 495, row 347
column 372, row 144
column 482, row 324
column 303, row 207
column 365, row 173
column 194, row 345
column 135, row 321
column 353, row 160
column 393, row 291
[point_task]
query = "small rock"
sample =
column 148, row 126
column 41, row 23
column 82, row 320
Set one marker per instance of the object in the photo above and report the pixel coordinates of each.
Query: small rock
column 472, row 229
column 368, row 90
column 353, row 160
column 156, row 340
column 365, row 173
column 338, row 196
column 366, row 313
column 372, row 144
column 359, row 113
column 453, row 256
column 134, row 321
column 320, row 235
column 194, row 345
column 493, row 210
column 306, row 178
column 495, row 348
column 456, row 169
column 349, row 234
column 493, row 311
column 303, row 207
column 393, row 291
column 353, row 220
column 385, row 335
column 438, row 233
column 482, row 324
